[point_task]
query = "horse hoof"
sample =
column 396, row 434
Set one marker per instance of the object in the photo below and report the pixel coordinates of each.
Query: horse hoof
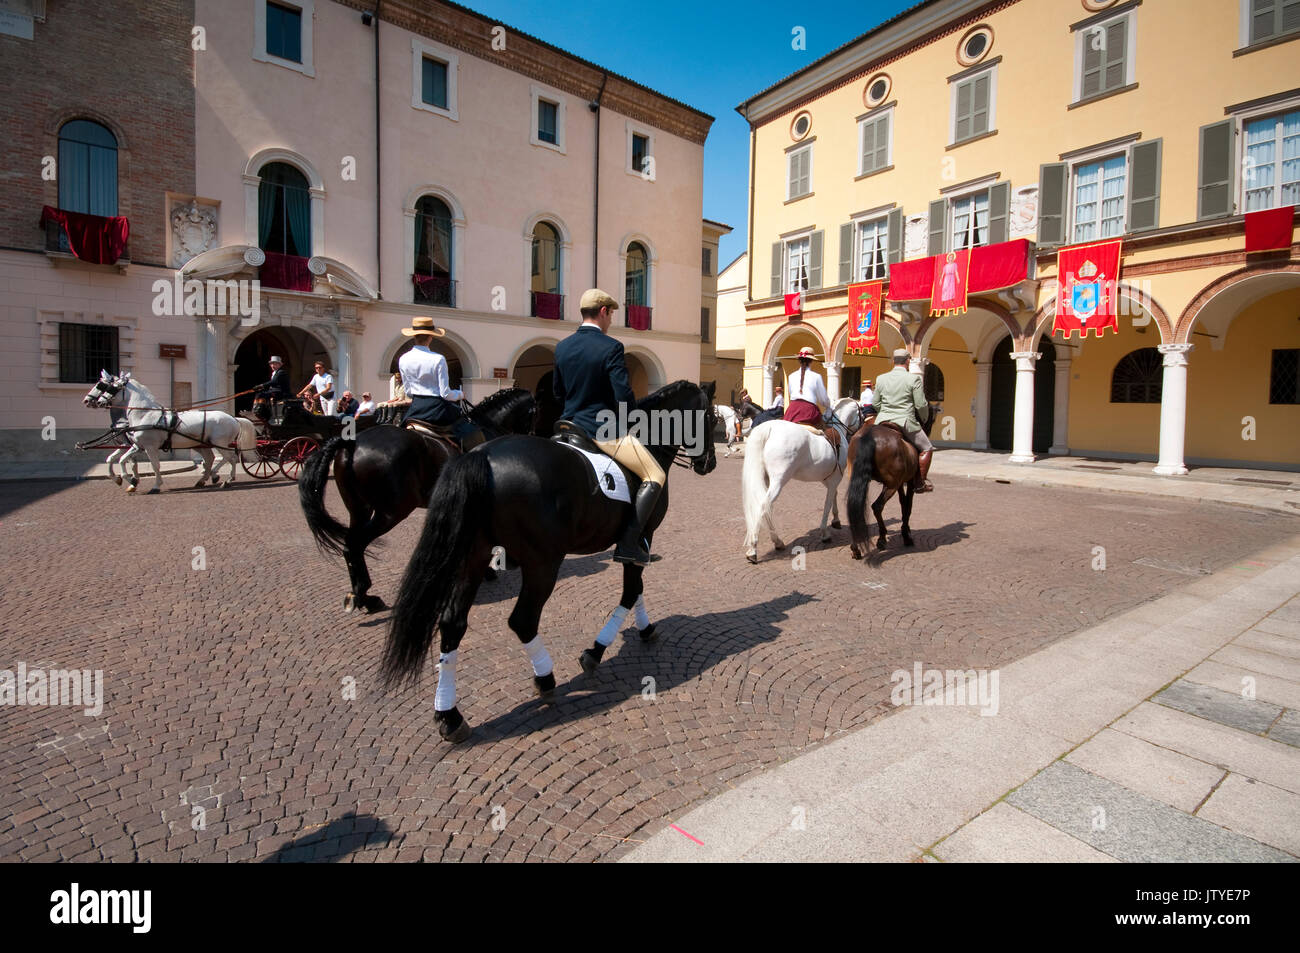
column 778, row 546
column 908, row 541
column 374, row 604
column 131, row 488
column 117, row 480
column 589, row 661
column 452, row 726
column 349, row 603
column 752, row 557
column 880, row 544
column 648, row 633
column 152, row 491
column 545, row 685
column 854, row 552
column 836, row 524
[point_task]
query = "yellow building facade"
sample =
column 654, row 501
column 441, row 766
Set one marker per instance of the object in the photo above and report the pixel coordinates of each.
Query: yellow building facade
column 963, row 124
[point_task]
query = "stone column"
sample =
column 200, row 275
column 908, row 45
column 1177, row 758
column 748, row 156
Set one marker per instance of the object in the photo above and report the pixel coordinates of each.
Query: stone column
column 769, row 383
column 1173, row 410
column 983, row 371
column 917, row 365
column 1061, row 409
column 344, row 368
column 1022, row 441
column 213, row 369
column 833, row 369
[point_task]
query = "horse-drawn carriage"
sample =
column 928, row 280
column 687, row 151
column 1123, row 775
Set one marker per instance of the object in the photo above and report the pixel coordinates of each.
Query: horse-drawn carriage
column 287, row 434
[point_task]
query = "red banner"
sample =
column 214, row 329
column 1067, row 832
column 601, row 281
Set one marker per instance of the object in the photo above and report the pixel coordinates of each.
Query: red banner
column 992, row 267
column 951, row 283
column 864, row 316
column 1270, row 230
column 286, row 271
column 92, row 238
column 1087, row 278
column 794, row 303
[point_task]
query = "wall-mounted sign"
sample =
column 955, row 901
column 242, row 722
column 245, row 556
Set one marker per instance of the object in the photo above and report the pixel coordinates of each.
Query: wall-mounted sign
column 499, row 373
column 171, row 350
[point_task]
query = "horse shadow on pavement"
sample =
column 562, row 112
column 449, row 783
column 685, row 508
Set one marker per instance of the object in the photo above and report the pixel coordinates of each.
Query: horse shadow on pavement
column 334, row 841
column 927, row 539
column 686, row 647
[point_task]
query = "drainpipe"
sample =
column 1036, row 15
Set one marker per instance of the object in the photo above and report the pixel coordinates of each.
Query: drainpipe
column 379, row 205
column 594, row 106
column 750, row 237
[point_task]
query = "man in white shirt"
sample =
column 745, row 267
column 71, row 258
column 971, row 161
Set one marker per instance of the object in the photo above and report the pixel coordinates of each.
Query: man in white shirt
column 425, row 378
column 322, row 384
column 868, row 396
column 778, row 400
column 367, row 405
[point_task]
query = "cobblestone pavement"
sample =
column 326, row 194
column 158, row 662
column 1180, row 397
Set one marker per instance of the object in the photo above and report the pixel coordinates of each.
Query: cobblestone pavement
column 226, row 688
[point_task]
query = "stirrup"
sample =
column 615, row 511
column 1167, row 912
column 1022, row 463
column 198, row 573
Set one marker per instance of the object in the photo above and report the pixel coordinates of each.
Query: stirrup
column 635, row 553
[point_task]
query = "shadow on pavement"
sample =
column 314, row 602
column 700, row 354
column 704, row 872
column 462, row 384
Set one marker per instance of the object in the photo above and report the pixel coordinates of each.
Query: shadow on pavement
column 334, row 841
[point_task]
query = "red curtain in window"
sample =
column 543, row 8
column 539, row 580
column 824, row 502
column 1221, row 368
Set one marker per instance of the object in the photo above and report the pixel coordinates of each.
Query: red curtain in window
column 548, row 305
column 286, row 271
column 638, row 317
column 93, row 238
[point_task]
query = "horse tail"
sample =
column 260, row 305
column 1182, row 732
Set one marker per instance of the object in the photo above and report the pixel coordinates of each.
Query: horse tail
column 856, row 500
column 247, row 439
column 754, row 483
column 459, row 509
column 328, row 532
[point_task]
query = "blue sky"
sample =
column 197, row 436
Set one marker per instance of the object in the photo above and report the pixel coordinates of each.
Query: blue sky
column 709, row 55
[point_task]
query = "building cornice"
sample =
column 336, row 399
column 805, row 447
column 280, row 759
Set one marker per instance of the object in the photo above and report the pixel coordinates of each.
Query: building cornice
column 463, row 29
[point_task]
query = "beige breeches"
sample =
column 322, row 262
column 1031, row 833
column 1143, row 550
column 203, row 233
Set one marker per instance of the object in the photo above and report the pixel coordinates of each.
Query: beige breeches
column 630, row 452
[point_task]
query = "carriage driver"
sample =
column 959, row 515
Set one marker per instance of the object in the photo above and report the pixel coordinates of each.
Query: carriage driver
column 277, row 388
column 424, row 376
column 900, row 396
column 590, row 376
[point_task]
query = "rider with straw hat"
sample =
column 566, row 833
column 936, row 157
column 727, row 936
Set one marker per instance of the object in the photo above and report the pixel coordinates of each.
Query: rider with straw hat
column 427, row 384
column 807, row 393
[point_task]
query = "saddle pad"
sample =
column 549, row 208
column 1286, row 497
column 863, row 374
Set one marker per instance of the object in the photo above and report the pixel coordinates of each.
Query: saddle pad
column 609, row 475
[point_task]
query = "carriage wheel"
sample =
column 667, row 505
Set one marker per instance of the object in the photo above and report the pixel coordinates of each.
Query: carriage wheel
column 264, row 465
column 295, row 453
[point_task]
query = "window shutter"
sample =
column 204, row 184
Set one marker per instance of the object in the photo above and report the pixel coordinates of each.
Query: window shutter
column 882, row 143
column 961, row 130
column 938, row 225
column 1093, row 66
column 1051, row 202
column 1263, row 20
column 805, row 172
column 815, row 261
column 1290, row 15
column 846, row 253
column 778, row 255
column 1214, row 189
column 1116, row 40
column 895, row 232
column 868, row 146
column 979, row 123
column 792, row 184
column 1144, row 188
column 999, row 207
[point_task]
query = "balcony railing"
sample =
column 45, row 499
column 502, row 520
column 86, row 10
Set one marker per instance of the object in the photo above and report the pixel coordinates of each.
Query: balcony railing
column 549, row 305
column 638, row 317
column 436, row 290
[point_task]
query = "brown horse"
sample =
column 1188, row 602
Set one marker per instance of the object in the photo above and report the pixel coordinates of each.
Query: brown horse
column 882, row 453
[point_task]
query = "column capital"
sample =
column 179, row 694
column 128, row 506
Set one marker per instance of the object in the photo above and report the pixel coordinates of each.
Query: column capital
column 1024, row 356
column 1175, row 354
column 835, row 365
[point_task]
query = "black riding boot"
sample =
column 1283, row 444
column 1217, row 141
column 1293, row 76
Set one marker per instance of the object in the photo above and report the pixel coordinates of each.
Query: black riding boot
column 631, row 548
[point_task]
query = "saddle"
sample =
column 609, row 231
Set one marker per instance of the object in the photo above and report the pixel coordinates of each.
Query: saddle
column 432, row 432
column 603, row 464
column 830, row 433
column 566, row 431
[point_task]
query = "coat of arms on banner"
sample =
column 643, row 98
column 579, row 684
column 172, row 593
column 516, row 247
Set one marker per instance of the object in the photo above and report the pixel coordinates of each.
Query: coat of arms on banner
column 864, row 316
column 1089, row 283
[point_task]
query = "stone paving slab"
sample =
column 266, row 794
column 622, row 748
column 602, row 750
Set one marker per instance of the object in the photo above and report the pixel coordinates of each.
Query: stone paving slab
column 1280, row 627
column 1266, row 663
column 1257, row 810
column 1159, row 773
column 1129, row 826
column 1231, row 678
column 1006, row 834
column 1226, row 708
column 1259, row 758
column 1287, row 728
column 1282, row 645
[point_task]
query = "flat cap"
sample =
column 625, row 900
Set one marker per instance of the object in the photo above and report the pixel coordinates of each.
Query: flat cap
column 594, row 298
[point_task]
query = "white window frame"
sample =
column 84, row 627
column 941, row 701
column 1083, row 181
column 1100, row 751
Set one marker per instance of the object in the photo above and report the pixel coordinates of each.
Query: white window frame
column 789, row 158
column 419, row 50
column 992, row 73
column 649, row 136
column 786, row 279
column 1243, row 32
column 858, row 224
column 538, row 95
column 871, row 117
column 983, row 185
column 1130, row 55
column 1100, row 155
column 308, row 10
column 1240, row 119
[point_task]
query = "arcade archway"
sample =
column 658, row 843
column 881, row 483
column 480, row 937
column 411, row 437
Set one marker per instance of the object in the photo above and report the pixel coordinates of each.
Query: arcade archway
column 300, row 350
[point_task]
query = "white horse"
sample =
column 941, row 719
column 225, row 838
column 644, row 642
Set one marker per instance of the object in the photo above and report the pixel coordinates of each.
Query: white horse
column 149, row 425
column 779, row 452
column 727, row 414
column 118, row 417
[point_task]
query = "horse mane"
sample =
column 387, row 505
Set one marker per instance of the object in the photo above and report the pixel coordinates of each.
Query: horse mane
column 135, row 387
column 664, row 394
column 500, row 403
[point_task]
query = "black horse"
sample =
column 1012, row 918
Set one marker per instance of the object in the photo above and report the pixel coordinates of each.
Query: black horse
column 549, row 407
column 539, row 501
column 385, row 473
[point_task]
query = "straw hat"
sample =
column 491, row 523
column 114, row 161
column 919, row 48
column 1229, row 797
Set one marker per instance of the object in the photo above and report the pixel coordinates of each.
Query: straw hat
column 423, row 326
column 806, row 352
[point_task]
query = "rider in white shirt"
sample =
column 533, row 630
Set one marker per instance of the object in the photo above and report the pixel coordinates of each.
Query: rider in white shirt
column 427, row 384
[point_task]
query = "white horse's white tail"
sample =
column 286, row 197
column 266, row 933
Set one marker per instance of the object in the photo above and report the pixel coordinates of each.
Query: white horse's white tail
column 247, row 434
column 754, row 485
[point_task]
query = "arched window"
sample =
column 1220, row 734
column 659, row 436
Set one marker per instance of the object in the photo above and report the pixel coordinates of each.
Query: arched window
column 933, row 383
column 1138, row 377
column 284, row 211
column 546, row 299
column 87, row 168
column 433, row 232
column 638, row 275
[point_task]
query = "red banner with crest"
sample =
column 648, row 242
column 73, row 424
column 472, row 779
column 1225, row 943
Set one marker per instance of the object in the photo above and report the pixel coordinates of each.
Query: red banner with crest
column 864, row 316
column 1087, row 299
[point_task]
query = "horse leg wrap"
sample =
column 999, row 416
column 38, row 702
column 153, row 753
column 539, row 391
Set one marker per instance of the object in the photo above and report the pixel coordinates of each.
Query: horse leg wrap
column 612, row 628
column 538, row 655
column 445, row 699
column 640, row 616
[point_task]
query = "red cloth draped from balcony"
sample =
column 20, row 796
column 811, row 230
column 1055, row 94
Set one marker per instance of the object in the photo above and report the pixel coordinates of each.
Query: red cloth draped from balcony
column 548, row 305
column 638, row 317
column 91, row 238
column 991, row 267
column 1270, row 230
column 433, row 289
column 285, row 271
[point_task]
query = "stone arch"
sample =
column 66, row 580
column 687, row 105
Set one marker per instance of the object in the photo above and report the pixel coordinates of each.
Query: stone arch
column 468, row 359
column 788, row 330
column 658, row 378
column 1047, row 313
column 1192, row 313
column 59, row 118
column 259, row 160
column 566, row 234
column 453, row 203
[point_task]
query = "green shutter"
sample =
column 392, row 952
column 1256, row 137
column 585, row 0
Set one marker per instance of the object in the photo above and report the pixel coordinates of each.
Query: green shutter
column 894, row 254
column 778, row 256
column 846, row 253
column 1094, row 65
column 868, row 146
column 938, row 225
column 1051, row 202
column 1116, row 40
column 999, row 209
column 882, row 142
column 1144, row 187
column 1263, row 20
column 962, row 128
column 979, row 123
column 1214, row 183
column 815, row 261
